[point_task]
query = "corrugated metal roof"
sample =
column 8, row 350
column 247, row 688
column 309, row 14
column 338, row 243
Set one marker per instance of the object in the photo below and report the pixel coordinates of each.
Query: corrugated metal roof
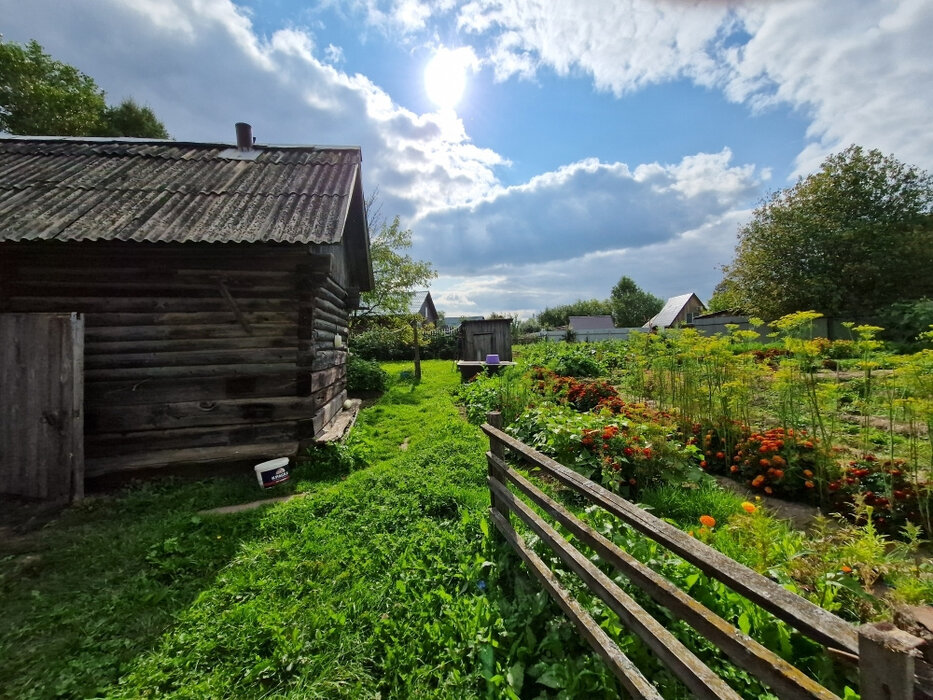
column 668, row 314
column 141, row 190
column 591, row 323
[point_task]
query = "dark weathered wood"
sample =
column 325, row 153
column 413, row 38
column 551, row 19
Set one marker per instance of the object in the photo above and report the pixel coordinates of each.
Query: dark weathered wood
column 99, row 466
column 146, row 304
column 815, row 622
column 101, row 334
column 886, row 662
column 186, row 358
column 323, row 319
column 129, row 347
column 230, row 371
column 417, row 351
column 335, row 310
column 745, row 652
column 190, row 414
column 41, row 431
column 142, row 441
column 621, row 666
column 326, row 377
column 482, row 338
column 326, row 413
column 234, row 307
column 152, row 390
column 701, row 681
column 494, row 418
column 195, row 317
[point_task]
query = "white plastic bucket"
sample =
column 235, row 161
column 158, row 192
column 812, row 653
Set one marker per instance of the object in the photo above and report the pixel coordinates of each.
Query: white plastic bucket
column 273, row 472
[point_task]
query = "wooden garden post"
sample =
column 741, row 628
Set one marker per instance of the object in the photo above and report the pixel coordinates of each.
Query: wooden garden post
column 886, row 662
column 494, row 418
column 414, row 328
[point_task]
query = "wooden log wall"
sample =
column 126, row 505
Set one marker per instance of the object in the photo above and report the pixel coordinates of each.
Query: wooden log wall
column 329, row 356
column 194, row 352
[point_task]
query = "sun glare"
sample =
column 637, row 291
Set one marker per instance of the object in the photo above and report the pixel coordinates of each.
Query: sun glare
column 445, row 77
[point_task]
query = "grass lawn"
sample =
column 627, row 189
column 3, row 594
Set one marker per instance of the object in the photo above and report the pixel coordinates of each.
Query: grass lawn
column 379, row 582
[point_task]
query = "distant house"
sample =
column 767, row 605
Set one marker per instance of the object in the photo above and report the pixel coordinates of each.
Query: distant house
column 591, row 323
column 211, row 283
column 677, row 310
column 423, row 305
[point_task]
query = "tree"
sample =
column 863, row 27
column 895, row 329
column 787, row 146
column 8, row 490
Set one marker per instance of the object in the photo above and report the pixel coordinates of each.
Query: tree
column 848, row 240
column 130, row 119
column 40, row 96
column 396, row 275
column 631, row 305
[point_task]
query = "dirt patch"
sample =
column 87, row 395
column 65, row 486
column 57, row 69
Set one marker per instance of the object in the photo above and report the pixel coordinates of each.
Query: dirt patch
column 800, row 515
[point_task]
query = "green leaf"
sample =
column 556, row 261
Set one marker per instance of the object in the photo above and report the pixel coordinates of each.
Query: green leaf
column 744, row 623
column 516, row 676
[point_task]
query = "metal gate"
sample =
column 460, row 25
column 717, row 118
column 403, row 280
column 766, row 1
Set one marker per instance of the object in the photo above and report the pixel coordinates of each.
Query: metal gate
column 42, row 406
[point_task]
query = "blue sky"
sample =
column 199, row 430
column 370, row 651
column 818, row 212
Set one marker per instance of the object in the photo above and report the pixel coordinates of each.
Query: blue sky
column 592, row 140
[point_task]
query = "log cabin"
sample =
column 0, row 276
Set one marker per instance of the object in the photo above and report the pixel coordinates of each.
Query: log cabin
column 214, row 282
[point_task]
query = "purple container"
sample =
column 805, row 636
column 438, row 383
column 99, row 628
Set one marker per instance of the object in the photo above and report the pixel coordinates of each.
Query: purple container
column 492, row 359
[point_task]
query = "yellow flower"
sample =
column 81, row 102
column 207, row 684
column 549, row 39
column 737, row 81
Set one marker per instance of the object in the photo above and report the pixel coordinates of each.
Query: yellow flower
column 748, row 507
column 708, row 520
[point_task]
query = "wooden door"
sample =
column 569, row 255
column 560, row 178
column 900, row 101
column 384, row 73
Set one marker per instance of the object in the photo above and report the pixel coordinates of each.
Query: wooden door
column 42, row 406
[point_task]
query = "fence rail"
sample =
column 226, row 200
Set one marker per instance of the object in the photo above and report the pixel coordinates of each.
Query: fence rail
column 883, row 653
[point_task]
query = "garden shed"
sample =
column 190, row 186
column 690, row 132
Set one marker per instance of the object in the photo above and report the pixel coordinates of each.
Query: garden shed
column 213, row 284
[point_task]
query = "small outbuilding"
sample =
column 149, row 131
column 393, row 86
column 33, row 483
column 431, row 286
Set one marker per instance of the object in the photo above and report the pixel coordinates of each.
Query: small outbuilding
column 676, row 311
column 209, row 286
column 423, row 305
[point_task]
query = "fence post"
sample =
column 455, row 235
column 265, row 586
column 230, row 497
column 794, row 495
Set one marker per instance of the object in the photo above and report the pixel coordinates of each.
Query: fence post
column 886, row 662
column 494, row 418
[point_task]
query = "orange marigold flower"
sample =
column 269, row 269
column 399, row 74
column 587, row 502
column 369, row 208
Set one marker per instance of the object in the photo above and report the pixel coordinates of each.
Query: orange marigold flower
column 734, row 468
column 708, row 520
column 720, row 455
column 764, row 463
column 758, row 481
column 807, row 473
column 808, row 484
column 846, row 569
column 769, row 490
column 748, row 507
column 778, row 473
column 703, row 464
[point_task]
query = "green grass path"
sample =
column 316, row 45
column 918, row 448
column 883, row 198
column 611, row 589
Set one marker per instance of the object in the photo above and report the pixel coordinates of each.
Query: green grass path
column 378, row 583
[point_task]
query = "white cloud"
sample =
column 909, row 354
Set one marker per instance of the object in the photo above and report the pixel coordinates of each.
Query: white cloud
column 334, row 54
column 585, row 207
column 862, row 71
column 202, row 67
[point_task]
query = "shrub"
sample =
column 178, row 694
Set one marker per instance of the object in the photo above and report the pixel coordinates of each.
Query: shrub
column 380, row 344
column 364, row 375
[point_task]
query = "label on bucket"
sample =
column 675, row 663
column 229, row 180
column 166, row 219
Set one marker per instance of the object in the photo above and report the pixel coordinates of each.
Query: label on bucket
column 272, row 477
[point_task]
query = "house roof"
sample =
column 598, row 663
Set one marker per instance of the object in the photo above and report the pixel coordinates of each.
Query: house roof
column 78, row 189
column 667, row 316
column 419, row 299
column 591, row 323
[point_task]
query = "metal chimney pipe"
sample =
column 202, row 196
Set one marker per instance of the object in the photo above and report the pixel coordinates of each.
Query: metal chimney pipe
column 244, row 136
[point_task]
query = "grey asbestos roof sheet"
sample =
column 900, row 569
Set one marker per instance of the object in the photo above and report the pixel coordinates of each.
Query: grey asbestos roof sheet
column 591, row 323
column 139, row 190
column 666, row 316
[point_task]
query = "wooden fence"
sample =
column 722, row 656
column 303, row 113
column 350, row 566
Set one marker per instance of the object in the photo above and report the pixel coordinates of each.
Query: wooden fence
column 42, row 400
column 883, row 653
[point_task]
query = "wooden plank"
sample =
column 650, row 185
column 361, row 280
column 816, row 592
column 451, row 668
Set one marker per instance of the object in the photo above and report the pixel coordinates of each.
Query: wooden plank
column 191, row 414
column 786, row 680
column 229, row 371
column 187, row 331
column 76, row 424
column 98, row 318
column 147, row 304
column 159, row 345
column 99, row 466
column 325, row 414
column 188, row 358
column 142, row 441
column 632, row 680
column 699, row 679
column 886, row 662
column 817, row 623
column 154, row 390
